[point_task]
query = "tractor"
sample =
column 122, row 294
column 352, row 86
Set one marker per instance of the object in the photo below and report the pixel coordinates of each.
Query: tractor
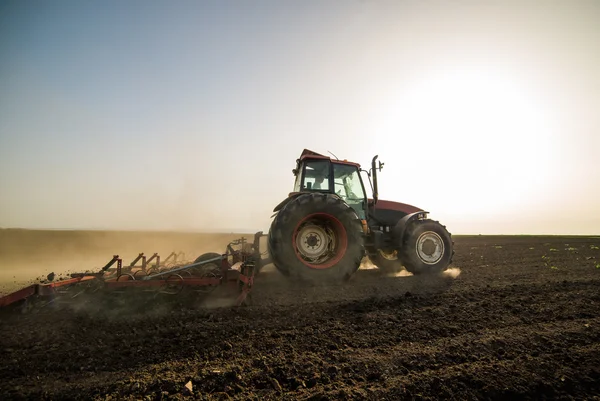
column 321, row 232
column 327, row 225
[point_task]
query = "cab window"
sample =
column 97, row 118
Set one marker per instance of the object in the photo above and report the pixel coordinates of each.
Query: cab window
column 348, row 186
column 316, row 176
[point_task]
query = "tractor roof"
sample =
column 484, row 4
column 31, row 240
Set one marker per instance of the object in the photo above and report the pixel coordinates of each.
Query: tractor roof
column 309, row 154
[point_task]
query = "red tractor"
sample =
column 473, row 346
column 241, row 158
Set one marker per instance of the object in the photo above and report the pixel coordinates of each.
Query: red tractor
column 327, row 225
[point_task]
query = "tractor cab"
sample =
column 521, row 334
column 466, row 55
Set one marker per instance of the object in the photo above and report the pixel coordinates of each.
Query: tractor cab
column 318, row 173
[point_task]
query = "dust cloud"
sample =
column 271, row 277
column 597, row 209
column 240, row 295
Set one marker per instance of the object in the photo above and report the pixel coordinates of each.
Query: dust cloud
column 28, row 256
column 452, row 272
column 366, row 264
column 401, row 273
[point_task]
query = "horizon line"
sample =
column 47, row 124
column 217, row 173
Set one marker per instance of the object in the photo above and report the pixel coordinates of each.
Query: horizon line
column 248, row 231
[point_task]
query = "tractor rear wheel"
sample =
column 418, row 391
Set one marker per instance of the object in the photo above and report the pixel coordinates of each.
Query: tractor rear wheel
column 388, row 262
column 428, row 248
column 316, row 237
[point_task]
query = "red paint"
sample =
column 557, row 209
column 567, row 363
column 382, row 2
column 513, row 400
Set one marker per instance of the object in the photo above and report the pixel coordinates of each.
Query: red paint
column 39, row 289
column 309, row 154
column 18, row 295
column 342, row 241
column 397, row 206
column 186, row 281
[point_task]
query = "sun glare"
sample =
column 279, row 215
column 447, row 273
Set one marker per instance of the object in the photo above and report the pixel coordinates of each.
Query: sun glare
column 491, row 133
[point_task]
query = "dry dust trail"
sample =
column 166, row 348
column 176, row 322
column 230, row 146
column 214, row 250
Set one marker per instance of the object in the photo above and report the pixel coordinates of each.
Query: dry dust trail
column 28, row 256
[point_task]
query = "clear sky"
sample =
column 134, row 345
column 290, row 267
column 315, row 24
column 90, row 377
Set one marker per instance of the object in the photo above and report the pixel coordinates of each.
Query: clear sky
column 189, row 115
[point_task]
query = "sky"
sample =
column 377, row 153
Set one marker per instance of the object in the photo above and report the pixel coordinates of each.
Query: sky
column 189, row 115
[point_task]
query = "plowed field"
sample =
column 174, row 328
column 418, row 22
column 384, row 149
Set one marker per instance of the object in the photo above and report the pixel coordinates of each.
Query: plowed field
column 515, row 318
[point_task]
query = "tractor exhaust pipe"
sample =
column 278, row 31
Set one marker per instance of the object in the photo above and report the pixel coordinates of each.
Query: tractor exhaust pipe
column 374, row 170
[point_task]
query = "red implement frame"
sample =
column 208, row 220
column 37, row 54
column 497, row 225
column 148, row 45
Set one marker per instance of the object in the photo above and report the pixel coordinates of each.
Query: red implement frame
column 247, row 259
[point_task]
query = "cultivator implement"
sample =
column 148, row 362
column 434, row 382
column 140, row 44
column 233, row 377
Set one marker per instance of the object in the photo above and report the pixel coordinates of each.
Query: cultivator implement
column 235, row 269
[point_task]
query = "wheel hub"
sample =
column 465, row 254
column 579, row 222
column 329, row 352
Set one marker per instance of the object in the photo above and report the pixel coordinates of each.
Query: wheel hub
column 314, row 242
column 430, row 247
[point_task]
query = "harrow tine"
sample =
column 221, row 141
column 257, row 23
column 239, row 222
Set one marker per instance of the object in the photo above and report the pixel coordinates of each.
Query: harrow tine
column 110, row 263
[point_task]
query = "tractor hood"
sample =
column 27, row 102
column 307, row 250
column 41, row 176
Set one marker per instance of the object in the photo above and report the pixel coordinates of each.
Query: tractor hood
column 395, row 206
column 389, row 213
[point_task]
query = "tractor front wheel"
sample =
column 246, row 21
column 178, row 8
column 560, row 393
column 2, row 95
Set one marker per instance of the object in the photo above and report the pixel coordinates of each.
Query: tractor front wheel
column 428, row 247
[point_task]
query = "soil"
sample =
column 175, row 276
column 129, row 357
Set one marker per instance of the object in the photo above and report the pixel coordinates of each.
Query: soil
column 514, row 318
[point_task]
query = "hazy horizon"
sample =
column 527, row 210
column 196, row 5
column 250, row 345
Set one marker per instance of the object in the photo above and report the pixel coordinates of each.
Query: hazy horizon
column 189, row 116
column 250, row 232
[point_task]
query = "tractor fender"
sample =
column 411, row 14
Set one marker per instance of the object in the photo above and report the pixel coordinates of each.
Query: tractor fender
column 400, row 228
column 287, row 200
column 292, row 195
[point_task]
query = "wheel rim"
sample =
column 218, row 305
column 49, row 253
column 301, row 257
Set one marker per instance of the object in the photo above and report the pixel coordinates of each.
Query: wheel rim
column 320, row 241
column 430, row 247
column 313, row 241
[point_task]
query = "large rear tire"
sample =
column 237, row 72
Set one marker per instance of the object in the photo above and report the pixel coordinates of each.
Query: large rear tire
column 428, row 248
column 316, row 237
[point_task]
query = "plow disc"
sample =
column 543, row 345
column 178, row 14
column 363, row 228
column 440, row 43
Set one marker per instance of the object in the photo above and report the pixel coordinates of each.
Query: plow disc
column 146, row 279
